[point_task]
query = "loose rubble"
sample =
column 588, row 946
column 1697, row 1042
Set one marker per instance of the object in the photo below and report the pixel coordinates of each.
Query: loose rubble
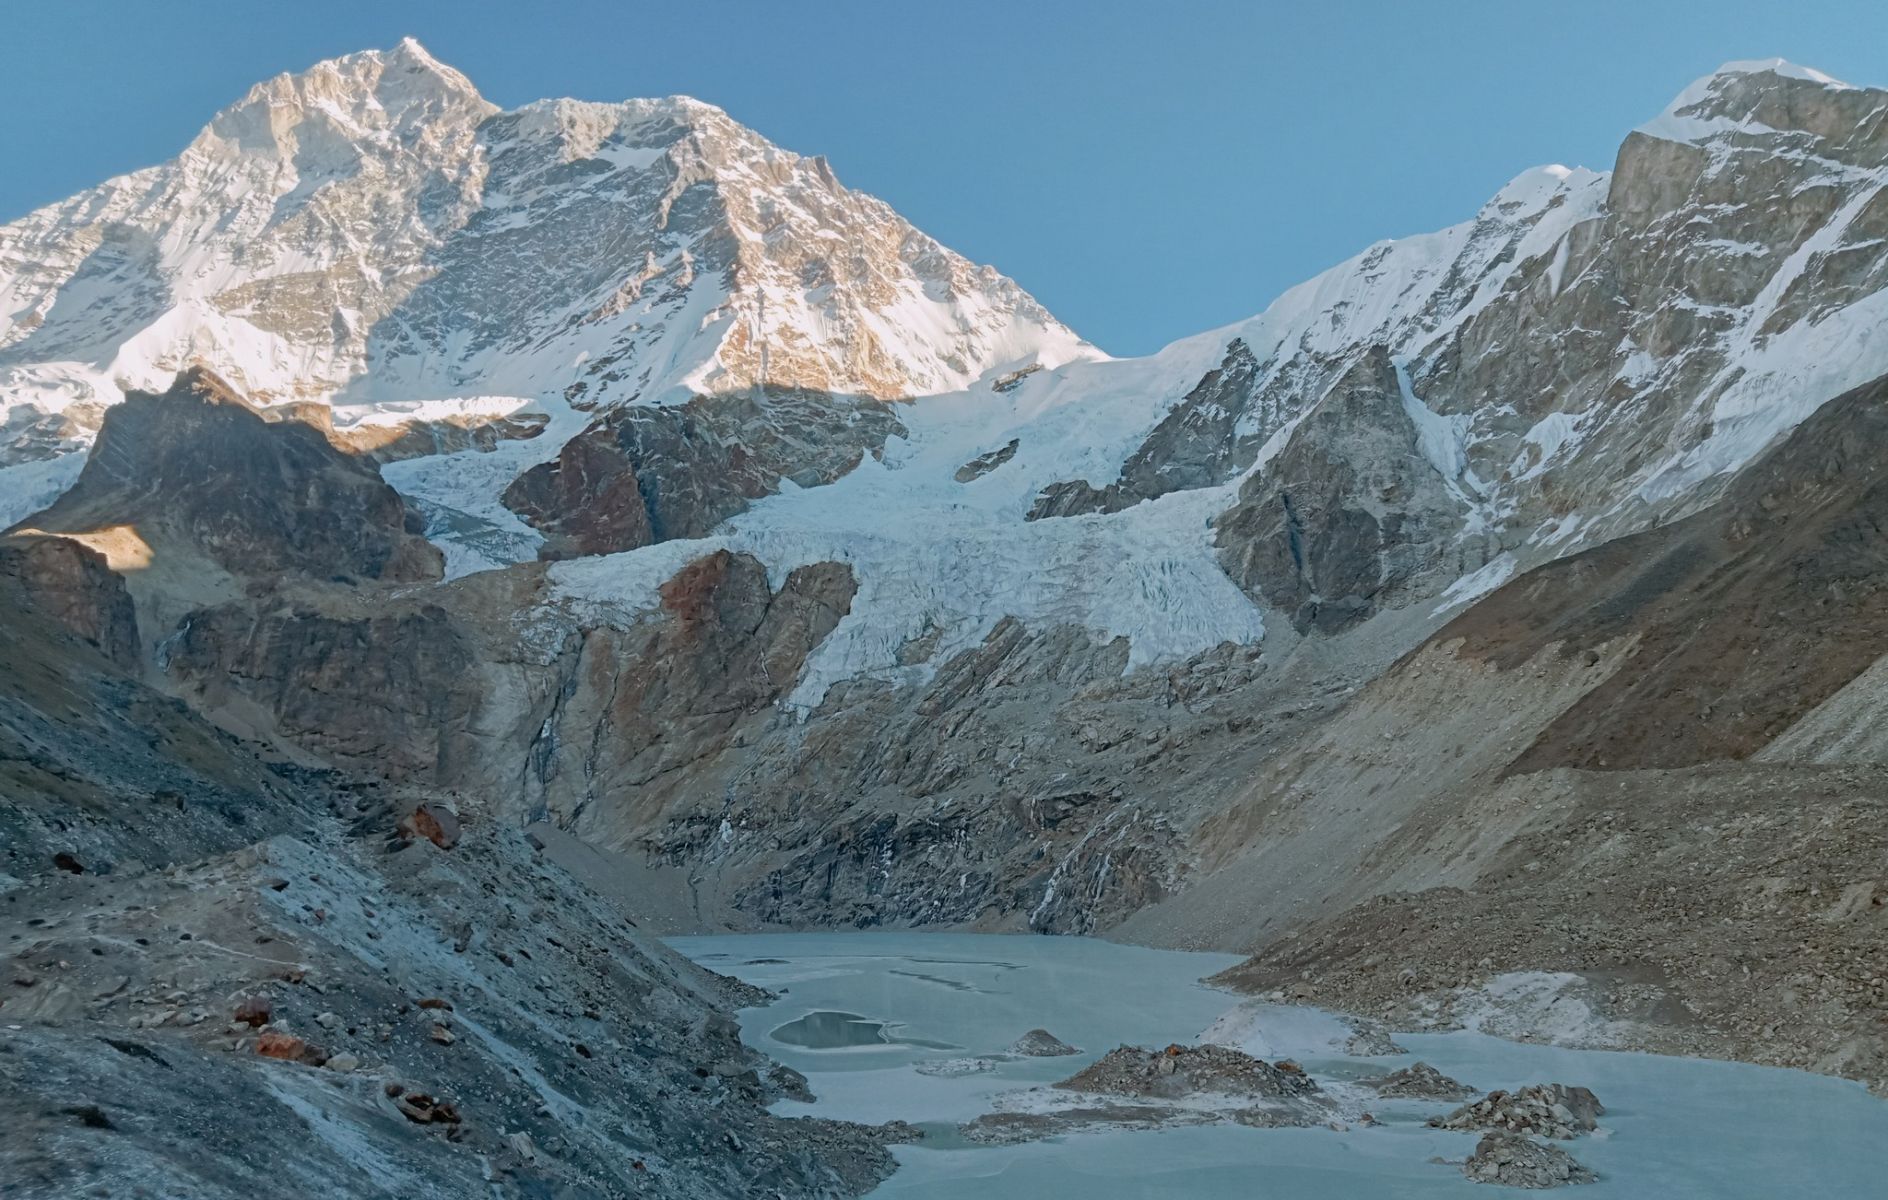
column 1183, row 1070
column 1040, row 1043
column 1550, row 1109
column 1133, row 1087
column 1369, row 1039
column 1514, row 1160
column 1420, row 1081
column 472, row 1022
column 1037, row 1043
column 952, row 1068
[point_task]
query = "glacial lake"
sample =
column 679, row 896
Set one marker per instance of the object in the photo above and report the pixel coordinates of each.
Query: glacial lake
column 863, row 1012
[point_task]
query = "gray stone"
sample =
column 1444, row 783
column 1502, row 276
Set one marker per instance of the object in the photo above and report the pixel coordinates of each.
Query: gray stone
column 1515, row 1160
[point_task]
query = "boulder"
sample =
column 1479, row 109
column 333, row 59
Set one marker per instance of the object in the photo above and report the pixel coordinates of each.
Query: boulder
column 1420, row 1081
column 1551, row 1109
column 422, row 1109
column 1040, row 1043
column 435, row 822
column 255, row 1011
column 285, row 1046
column 1514, row 1160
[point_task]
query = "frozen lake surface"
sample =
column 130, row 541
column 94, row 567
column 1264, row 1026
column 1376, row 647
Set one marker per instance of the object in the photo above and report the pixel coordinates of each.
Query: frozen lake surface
column 877, row 1007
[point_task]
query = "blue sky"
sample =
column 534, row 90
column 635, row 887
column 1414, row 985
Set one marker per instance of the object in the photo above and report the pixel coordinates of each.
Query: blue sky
column 1147, row 169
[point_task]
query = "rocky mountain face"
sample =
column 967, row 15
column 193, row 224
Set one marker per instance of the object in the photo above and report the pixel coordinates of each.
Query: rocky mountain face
column 1211, row 436
column 1742, row 619
column 94, row 765
column 372, row 236
column 281, row 500
column 1652, row 742
column 197, row 924
column 1349, row 518
column 642, row 475
column 605, row 466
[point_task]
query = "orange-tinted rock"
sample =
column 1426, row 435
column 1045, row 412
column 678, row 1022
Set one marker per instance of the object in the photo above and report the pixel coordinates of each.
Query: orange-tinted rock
column 650, row 473
column 285, row 1046
column 434, row 822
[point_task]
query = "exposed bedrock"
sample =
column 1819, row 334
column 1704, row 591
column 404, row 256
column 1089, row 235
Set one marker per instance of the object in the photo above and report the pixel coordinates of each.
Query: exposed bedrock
column 1208, row 438
column 1027, row 783
column 644, row 474
column 1350, row 517
column 72, row 584
column 390, row 693
column 196, row 467
column 99, row 773
column 1741, row 619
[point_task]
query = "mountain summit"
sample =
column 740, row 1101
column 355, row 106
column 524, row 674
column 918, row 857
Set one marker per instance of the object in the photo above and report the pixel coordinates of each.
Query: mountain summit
column 372, row 230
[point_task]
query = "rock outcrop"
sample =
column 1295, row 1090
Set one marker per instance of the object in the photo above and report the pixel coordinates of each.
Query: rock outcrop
column 197, row 467
column 1549, row 1109
column 388, row 692
column 1213, row 434
column 73, row 585
column 643, row 702
column 1420, row 1081
column 1040, row 1043
column 1179, row 1071
column 1352, row 516
column 987, row 462
column 98, row 771
column 646, row 474
column 1513, row 1160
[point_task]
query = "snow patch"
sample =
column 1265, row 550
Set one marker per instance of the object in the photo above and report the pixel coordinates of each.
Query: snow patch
column 1476, row 584
column 1442, row 439
column 26, row 488
column 1681, row 123
column 1542, row 1006
column 1273, row 1031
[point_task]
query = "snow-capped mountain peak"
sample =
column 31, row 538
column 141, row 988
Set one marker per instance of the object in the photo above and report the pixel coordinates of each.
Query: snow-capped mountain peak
column 1587, row 354
column 1739, row 96
column 398, row 91
column 372, row 232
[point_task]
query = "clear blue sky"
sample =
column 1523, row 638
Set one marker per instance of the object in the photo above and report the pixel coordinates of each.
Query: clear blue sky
column 1148, row 169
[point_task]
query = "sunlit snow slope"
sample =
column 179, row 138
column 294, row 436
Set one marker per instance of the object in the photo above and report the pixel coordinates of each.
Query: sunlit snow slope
column 372, row 231
column 1590, row 353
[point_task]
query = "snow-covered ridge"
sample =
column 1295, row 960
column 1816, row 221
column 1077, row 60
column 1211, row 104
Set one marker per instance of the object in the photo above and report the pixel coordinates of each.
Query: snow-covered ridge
column 934, row 557
column 374, row 235
column 937, row 558
column 1696, row 115
column 372, row 230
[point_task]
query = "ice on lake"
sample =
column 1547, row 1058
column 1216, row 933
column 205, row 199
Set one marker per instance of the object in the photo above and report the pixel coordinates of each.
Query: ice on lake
column 1674, row 1129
